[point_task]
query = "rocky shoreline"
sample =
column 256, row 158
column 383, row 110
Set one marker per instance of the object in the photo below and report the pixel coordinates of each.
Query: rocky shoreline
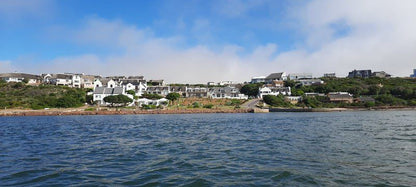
column 116, row 112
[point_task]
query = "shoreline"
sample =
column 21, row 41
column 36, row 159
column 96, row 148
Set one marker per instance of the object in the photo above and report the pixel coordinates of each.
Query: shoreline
column 69, row 112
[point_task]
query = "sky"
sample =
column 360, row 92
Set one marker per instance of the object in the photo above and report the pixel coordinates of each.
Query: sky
column 196, row 41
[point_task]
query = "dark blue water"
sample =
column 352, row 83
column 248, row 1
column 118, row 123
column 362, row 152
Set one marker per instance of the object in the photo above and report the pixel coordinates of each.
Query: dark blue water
column 275, row 149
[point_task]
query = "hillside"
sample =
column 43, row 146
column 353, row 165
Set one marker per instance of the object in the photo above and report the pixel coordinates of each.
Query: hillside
column 19, row 95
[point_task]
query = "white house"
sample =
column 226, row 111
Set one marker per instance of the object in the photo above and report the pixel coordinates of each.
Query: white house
column 299, row 76
column 226, row 93
column 309, row 82
column 101, row 92
column 274, row 91
column 258, row 79
column 156, row 102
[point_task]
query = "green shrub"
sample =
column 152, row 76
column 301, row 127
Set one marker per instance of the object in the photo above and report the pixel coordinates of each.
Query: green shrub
column 208, row 106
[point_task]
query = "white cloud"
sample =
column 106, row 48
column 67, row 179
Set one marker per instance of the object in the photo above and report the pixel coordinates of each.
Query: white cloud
column 13, row 10
column 381, row 36
column 339, row 36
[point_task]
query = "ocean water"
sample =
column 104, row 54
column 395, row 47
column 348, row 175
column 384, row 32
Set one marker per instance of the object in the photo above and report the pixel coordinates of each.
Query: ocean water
column 376, row 148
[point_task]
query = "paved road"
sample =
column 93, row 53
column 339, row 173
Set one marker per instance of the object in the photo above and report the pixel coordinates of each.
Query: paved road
column 251, row 103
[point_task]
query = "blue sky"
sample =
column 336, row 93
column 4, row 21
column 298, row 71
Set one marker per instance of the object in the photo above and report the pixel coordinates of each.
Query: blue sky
column 199, row 41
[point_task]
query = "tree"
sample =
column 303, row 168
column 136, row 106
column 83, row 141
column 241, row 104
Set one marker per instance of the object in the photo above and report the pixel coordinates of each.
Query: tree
column 131, row 92
column 118, row 99
column 250, row 89
column 173, row 96
column 151, row 96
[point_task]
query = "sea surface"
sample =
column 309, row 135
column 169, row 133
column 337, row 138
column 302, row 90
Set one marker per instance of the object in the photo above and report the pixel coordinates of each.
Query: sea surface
column 374, row 148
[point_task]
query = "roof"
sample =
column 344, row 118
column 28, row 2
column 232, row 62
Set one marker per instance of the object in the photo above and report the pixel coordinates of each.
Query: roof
column 108, row 91
column 275, row 76
column 62, row 76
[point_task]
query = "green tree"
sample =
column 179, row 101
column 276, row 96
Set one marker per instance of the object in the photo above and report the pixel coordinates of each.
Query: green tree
column 118, row 99
column 131, row 92
column 151, row 96
column 173, row 96
column 251, row 89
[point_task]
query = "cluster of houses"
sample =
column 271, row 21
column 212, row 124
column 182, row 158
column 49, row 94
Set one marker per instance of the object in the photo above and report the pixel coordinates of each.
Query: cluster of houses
column 272, row 84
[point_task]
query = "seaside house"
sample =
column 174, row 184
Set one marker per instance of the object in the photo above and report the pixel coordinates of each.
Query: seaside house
column 181, row 90
column 196, row 91
column 340, row 97
column 293, row 99
column 359, row 73
column 21, row 77
column 139, row 86
column 157, row 102
column 300, row 76
column 312, row 94
column 101, row 92
column 309, row 82
column 276, row 77
column 380, row 74
column 160, row 90
column 160, row 82
column 274, row 91
column 414, row 74
column 259, row 79
column 227, row 92
column 329, row 75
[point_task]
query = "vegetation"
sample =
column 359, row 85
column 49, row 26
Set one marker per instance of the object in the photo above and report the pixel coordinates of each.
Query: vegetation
column 276, row 101
column 208, row 106
column 19, row 95
column 118, row 100
column 151, row 96
column 251, row 89
column 386, row 92
column 173, row 96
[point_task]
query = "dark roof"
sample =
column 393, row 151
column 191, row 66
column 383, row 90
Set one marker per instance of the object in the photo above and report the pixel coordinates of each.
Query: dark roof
column 62, row 76
column 105, row 90
column 275, row 76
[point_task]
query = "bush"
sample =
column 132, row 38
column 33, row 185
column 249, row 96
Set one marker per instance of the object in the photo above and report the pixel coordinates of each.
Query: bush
column 195, row 105
column 277, row 101
column 118, row 99
column 208, row 106
column 151, row 96
column 148, row 106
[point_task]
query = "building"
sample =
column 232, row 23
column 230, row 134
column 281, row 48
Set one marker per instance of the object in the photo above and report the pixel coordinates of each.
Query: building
column 340, row 97
column 156, row 82
column 21, row 77
column 414, row 73
column 101, row 92
column 311, row 94
column 359, row 74
column 227, row 92
column 329, row 75
column 181, row 90
column 309, row 82
column 159, row 90
column 260, row 79
column 380, row 74
column 293, row 99
column 196, row 91
column 157, row 102
column 276, row 77
column 274, row 91
column 300, row 76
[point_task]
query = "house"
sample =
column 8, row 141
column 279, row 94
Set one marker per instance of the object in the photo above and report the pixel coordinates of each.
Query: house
column 160, row 90
column 274, row 91
column 260, row 79
column 309, row 82
column 181, row 90
column 211, row 83
column 157, row 102
column 21, row 77
column 312, row 94
column 276, row 84
column 196, row 91
column 414, row 74
column 138, row 86
column 329, row 75
column 227, row 92
column 380, row 74
column 293, row 99
column 225, row 83
column 276, row 77
column 101, row 92
column 76, row 81
column 300, row 76
column 340, row 97
column 87, row 81
column 156, row 82
column 59, row 79
column 359, row 74
column 363, row 99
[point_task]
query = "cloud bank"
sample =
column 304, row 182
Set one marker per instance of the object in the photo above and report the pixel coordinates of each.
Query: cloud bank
column 334, row 36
